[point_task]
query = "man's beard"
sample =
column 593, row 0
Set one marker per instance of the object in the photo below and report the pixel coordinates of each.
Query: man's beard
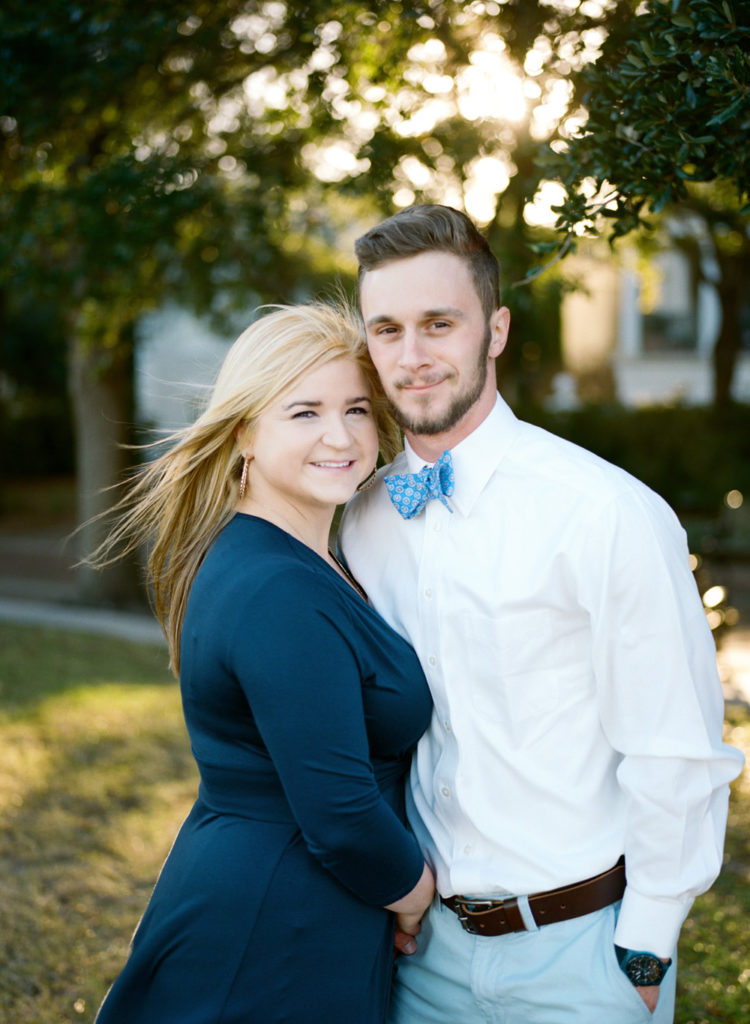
column 429, row 425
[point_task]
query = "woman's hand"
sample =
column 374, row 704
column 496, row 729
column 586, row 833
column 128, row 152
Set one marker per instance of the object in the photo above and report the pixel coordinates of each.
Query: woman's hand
column 410, row 910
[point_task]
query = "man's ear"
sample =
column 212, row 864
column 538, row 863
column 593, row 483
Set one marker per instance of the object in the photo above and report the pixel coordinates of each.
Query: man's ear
column 499, row 328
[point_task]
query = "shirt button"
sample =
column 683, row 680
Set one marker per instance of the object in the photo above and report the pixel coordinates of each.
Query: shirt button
column 436, row 527
column 447, row 725
column 428, row 592
column 468, row 848
column 445, row 791
column 432, row 659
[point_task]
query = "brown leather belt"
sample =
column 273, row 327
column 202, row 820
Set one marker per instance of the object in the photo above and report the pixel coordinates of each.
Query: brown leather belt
column 499, row 917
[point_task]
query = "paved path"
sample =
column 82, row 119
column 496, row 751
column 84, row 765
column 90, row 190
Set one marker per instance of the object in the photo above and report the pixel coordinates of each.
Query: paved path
column 127, row 625
column 38, row 587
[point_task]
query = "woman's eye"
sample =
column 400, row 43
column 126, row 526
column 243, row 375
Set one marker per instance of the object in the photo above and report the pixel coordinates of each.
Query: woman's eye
column 359, row 410
column 305, row 414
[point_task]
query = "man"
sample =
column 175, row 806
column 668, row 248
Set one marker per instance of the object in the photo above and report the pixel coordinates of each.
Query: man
column 578, row 712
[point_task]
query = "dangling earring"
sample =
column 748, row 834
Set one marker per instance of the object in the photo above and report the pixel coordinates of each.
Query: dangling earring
column 367, row 483
column 243, row 478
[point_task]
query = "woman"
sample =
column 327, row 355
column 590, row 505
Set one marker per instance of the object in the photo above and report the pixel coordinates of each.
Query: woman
column 302, row 705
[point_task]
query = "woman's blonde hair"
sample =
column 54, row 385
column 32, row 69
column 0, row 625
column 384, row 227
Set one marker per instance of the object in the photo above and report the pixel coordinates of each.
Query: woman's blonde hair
column 179, row 502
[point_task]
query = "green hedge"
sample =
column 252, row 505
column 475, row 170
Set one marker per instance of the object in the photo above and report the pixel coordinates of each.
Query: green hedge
column 691, row 456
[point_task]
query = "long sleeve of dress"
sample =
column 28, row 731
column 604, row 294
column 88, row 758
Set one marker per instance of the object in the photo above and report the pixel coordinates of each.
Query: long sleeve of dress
column 303, row 684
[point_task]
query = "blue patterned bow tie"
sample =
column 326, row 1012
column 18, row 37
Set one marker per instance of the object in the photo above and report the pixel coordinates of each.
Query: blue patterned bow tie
column 410, row 492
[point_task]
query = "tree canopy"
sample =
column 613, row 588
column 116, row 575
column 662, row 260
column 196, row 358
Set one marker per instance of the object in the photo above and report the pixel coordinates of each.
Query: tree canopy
column 666, row 123
column 219, row 151
column 149, row 147
column 667, row 104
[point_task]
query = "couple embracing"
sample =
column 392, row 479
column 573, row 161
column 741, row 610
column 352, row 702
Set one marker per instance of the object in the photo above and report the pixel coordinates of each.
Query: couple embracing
column 486, row 727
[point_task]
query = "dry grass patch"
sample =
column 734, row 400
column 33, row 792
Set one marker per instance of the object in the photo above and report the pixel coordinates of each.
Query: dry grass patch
column 95, row 778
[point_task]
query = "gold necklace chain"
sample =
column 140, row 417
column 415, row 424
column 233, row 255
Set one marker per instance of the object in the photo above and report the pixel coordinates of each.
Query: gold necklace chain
column 348, row 576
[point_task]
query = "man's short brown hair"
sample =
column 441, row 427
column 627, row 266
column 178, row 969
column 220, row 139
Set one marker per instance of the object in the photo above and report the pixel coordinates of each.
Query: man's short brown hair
column 429, row 228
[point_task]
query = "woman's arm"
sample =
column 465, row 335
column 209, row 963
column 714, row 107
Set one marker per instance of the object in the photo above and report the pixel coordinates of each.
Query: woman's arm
column 410, row 909
column 296, row 661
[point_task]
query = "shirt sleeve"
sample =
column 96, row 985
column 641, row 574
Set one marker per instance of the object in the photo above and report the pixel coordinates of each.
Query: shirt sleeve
column 661, row 709
column 302, row 679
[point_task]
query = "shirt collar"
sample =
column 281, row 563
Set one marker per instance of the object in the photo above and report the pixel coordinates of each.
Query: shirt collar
column 477, row 457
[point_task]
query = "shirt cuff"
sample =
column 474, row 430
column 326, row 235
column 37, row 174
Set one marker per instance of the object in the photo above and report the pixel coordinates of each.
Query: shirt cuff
column 650, row 924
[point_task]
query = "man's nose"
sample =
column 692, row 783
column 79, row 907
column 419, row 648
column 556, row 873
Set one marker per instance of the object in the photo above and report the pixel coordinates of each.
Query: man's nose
column 414, row 353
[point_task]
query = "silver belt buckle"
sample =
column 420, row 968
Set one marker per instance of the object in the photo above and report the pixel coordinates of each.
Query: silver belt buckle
column 468, row 907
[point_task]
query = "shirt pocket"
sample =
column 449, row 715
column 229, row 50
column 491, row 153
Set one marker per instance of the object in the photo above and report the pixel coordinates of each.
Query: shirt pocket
column 512, row 676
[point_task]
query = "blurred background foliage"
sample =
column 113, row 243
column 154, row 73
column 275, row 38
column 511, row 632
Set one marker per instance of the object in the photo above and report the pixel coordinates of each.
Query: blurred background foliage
column 667, row 119
column 222, row 154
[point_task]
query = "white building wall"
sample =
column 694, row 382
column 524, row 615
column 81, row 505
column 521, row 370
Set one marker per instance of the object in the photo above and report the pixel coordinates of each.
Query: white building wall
column 177, row 357
column 603, row 322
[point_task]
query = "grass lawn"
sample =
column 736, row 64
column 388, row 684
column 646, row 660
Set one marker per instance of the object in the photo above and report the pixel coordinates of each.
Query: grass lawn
column 95, row 778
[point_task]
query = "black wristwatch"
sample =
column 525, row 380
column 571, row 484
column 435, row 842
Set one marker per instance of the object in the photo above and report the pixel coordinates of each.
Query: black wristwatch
column 641, row 968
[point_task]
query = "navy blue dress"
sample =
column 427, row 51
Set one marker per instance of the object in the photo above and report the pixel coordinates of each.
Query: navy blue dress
column 303, row 707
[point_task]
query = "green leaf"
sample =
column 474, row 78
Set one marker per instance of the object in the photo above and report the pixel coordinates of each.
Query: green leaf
column 661, row 200
column 542, row 248
column 725, row 115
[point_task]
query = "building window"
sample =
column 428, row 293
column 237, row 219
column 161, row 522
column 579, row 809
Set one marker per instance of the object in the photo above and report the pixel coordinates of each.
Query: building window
column 669, row 322
column 669, row 332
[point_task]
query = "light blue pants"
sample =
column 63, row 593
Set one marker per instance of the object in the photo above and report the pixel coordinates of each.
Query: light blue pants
column 564, row 973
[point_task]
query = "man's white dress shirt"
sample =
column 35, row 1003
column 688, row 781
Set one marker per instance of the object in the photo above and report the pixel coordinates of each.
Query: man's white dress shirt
column 578, row 712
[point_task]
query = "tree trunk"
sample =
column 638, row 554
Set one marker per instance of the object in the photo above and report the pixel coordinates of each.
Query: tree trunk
column 727, row 347
column 101, row 388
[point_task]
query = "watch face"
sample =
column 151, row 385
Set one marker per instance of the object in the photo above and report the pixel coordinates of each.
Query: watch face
column 644, row 969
